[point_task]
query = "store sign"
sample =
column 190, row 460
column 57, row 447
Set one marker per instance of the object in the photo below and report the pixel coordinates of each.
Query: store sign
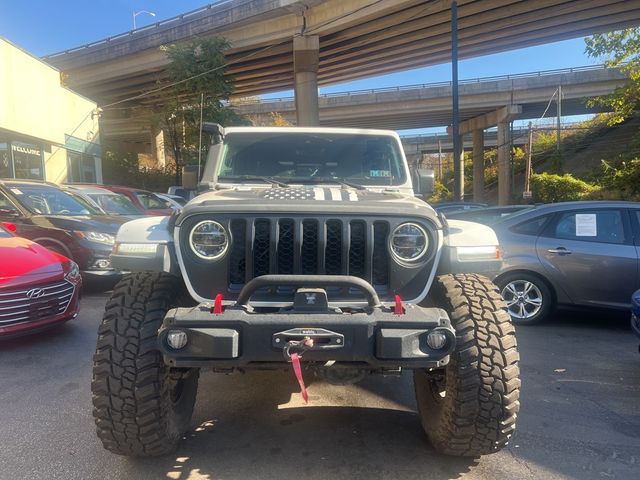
column 25, row 149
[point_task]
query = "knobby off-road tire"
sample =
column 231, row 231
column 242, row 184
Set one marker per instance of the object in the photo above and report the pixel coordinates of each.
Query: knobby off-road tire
column 141, row 407
column 469, row 408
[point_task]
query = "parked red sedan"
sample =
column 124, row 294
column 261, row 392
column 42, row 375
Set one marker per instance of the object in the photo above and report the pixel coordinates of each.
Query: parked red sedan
column 147, row 202
column 38, row 287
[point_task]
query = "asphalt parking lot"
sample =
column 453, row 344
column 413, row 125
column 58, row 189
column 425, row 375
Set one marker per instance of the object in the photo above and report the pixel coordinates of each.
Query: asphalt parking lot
column 580, row 416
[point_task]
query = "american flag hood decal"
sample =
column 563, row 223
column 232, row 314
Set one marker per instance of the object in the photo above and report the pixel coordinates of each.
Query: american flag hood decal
column 336, row 194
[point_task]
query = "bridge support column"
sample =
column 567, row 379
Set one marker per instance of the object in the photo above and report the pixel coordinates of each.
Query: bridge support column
column 305, row 71
column 478, row 165
column 504, row 164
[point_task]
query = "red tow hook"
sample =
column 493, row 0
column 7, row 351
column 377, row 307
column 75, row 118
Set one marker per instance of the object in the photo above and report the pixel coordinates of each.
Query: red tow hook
column 217, row 305
column 398, row 309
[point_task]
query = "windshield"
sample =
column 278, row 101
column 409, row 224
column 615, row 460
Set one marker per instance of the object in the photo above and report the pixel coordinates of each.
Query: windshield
column 150, row 201
column 45, row 199
column 115, row 204
column 311, row 158
column 93, row 208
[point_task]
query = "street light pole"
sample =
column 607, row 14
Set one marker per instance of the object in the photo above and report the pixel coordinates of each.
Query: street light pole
column 458, row 164
column 135, row 14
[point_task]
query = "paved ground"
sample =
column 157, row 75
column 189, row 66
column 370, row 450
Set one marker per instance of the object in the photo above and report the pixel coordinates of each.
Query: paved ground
column 580, row 416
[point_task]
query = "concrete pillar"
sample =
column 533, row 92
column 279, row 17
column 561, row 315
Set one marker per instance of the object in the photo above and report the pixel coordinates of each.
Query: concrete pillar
column 478, row 165
column 305, row 71
column 504, row 164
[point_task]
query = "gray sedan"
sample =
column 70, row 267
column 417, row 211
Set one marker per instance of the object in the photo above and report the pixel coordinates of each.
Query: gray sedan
column 574, row 253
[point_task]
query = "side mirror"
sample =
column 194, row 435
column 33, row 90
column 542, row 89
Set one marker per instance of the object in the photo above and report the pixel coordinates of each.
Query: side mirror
column 9, row 212
column 215, row 130
column 190, row 177
column 424, row 180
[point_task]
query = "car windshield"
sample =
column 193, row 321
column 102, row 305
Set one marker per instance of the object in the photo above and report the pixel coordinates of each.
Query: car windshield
column 311, row 158
column 150, row 201
column 93, row 208
column 115, row 204
column 179, row 200
column 46, row 199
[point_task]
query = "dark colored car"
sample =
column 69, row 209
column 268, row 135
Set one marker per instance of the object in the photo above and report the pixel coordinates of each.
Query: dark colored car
column 635, row 314
column 450, row 207
column 38, row 288
column 581, row 254
column 487, row 216
column 45, row 214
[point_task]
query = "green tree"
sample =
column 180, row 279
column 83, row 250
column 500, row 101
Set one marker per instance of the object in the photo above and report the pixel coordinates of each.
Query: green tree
column 196, row 75
column 621, row 50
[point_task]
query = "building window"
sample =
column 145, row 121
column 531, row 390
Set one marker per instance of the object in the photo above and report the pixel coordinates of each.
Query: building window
column 82, row 167
column 27, row 161
column 6, row 170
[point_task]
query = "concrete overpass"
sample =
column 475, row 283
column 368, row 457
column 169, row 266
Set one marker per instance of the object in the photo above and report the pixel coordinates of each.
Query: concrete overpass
column 291, row 44
column 349, row 39
column 429, row 105
column 415, row 146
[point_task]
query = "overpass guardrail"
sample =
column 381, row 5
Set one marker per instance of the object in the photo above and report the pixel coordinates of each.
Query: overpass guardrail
column 417, row 86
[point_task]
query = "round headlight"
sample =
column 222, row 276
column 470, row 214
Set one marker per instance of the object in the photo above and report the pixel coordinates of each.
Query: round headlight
column 209, row 240
column 409, row 242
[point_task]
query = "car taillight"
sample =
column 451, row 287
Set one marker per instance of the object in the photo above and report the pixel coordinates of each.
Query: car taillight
column 10, row 226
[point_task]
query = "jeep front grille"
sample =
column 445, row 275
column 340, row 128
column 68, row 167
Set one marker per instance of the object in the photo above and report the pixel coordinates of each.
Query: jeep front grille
column 309, row 246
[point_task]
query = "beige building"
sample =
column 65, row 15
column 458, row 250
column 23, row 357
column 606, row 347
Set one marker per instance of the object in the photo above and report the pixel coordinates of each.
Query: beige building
column 47, row 132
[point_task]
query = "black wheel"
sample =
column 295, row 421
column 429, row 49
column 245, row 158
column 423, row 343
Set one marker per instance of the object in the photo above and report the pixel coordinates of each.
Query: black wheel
column 528, row 298
column 141, row 407
column 469, row 408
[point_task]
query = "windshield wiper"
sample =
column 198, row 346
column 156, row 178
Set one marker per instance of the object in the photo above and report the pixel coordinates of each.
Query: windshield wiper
column 250, row 178
column 344, row 183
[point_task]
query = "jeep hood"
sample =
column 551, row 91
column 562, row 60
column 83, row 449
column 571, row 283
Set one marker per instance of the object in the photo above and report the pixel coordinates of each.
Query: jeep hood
column 310, row 199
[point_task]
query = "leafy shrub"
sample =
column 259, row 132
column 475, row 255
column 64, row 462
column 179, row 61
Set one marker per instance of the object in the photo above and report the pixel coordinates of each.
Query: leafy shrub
column 548, row 187
column 620, row 180
column 440, row 193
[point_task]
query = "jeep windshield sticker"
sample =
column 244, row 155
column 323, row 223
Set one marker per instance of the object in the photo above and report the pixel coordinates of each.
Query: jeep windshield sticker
column 332, row 193
column 379, row 173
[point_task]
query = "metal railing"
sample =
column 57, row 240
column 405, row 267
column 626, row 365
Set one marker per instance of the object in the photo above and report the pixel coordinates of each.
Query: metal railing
column 516, row 131
column 418, row 86
column 137, row 31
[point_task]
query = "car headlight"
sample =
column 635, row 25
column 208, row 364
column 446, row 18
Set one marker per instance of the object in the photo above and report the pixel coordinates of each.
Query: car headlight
column 98, row 237
column 73, row 271
column 209, row 240
column 136, row 249
column 409, row 242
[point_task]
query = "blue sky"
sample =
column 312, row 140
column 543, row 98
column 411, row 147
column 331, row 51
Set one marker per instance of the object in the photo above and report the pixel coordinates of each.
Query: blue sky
column 49, row 26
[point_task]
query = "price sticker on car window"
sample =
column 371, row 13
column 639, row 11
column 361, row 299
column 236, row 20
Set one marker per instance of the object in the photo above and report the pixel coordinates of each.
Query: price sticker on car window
column 16, row 191
column 586, row 225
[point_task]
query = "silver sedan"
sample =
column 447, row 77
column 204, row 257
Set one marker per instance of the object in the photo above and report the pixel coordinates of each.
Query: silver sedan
column 573, row 253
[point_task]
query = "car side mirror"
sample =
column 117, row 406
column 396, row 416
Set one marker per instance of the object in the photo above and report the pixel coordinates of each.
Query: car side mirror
column 423, row 181
column 215, row 130
column 9, row 212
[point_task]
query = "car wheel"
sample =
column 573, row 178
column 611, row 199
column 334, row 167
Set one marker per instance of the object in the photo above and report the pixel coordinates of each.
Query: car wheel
column 469, row 408
column 528, row 298
column 141, row 406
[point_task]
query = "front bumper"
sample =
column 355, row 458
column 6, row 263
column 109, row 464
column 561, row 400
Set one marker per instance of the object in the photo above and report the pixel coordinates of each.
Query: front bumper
column 241, row 338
